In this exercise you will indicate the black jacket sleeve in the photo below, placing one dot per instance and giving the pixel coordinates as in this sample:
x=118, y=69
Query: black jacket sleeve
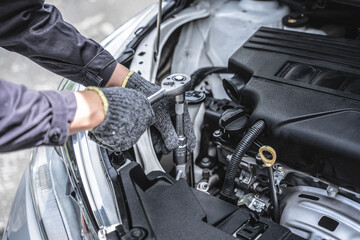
x=30, y=118
x=37, y=31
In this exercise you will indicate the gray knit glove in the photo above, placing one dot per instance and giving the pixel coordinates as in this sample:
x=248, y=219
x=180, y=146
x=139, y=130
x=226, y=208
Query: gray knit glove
x=128, y=116
x=164, y=137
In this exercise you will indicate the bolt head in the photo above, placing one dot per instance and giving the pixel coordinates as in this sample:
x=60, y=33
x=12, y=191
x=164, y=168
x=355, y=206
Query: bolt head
x=205, y=186
x=217, y=133
x=136, y=233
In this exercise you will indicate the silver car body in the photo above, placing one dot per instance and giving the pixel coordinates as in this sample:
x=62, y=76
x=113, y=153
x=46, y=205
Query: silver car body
x=64, y=186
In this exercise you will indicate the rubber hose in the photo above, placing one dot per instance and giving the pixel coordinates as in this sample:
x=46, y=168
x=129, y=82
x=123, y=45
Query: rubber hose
x=200, y=74
x=227, y=192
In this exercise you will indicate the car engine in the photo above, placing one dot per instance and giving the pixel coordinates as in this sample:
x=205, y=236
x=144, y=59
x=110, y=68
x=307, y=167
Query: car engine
x=291, y=91
x=275, y=103
x=308, y=102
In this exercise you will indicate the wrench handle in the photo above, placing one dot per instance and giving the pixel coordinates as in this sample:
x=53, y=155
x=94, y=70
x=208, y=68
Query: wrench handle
x=156, y=96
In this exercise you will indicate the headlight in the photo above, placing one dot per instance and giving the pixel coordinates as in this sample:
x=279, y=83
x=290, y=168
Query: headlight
x=91, y=184
x=57, y=213
x=71, y=194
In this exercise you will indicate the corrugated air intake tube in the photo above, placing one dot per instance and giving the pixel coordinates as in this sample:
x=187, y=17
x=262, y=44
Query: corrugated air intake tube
x=227, y=192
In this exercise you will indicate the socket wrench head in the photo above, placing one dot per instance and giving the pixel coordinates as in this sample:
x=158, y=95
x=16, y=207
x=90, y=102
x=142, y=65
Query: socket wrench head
x=173, y=85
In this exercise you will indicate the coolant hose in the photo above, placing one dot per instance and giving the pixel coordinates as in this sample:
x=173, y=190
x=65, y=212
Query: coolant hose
x=227, y=192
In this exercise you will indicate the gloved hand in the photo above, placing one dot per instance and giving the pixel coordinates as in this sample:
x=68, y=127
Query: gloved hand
x=165, y=138
x=128, y=115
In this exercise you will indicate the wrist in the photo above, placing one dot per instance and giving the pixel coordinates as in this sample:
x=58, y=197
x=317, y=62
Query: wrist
x=137, y=82
x=90, y=111
x=118, y=76
x=127, y=78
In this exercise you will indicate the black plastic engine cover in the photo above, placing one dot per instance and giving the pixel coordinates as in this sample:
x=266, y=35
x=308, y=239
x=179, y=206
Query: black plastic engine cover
x=307, y=89
x=167, y=209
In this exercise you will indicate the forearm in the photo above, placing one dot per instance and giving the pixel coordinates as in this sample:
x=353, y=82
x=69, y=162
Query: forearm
x=30, y=118
x=37, y=31
x=89, y=113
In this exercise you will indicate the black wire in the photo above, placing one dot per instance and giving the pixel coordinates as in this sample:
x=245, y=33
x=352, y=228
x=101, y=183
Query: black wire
x=200, y=74
x=273, y=195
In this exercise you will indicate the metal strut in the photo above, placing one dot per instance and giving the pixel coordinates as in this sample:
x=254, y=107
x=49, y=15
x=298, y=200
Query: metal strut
x=158, y=23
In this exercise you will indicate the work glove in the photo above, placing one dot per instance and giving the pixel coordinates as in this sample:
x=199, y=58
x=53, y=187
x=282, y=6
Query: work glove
x=164, y=137
x=128, y=115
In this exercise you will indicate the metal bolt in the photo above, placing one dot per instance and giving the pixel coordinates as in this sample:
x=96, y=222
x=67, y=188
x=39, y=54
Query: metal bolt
x=203, y=186
x=280, y=169
x=332, y=191
x=217, y=133
x=136, y=233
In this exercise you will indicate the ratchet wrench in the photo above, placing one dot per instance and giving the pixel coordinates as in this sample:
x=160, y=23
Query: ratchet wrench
x=173, y=85
x=176, y=85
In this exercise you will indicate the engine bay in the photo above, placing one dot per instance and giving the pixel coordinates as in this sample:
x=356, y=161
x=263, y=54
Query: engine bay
x=276, y=108
x=307, y=100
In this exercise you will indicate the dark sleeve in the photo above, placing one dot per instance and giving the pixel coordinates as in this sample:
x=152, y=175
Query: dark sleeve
x=37, y=31
x=30, y=118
